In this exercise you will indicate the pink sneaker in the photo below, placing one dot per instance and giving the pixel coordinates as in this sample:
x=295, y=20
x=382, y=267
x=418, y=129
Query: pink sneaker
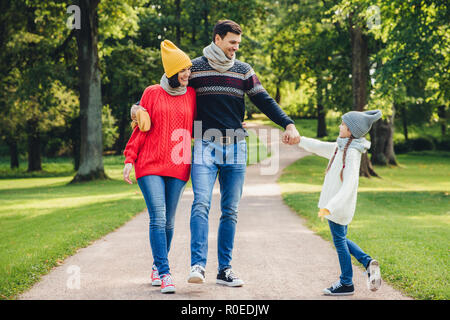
x=167, y=285
x=156, y=281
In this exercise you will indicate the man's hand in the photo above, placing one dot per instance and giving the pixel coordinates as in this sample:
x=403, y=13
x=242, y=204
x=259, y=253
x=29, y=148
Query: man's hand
x=291, y=135
x=134, y=109
x=140, y=118
x=126, y=172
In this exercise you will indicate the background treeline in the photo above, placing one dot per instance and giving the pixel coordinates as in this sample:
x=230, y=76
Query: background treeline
x=316, y=58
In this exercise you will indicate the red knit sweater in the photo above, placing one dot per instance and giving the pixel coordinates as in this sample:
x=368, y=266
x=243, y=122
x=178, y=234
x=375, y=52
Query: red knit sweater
x=164, y=150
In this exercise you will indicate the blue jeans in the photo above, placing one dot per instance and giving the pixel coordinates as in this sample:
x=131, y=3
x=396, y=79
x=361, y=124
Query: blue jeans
x=344, y=248
x=161, y=196
x=228, y=162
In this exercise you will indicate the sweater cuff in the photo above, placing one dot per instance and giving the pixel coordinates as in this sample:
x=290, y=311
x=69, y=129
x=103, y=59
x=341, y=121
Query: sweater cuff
x=129, y=160
x=306, y=143
x=288, y=122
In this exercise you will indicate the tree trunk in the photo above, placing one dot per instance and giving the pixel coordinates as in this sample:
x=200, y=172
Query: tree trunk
x=278, y=94
x=404, y=121
x=321, y=123
x=91, y=146
x=360, y=82
x=75, y=137
x=359, y=68
x=13, y=153
x=382, y=141
x=194, y=32
x=207, y=32
x=121, y=140
x=178, y=22
x=34, y=146
x=366, y=168
x=443, y=119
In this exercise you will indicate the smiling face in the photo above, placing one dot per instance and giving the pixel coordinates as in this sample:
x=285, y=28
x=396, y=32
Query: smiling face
x=344, y=131
x=183, y=76
x=229, y=44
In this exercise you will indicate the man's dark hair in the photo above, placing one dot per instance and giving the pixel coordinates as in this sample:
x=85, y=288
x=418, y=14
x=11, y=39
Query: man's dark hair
x=222, y=27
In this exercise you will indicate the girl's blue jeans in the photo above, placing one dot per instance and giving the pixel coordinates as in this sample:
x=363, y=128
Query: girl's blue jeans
x=345, y=248
x=161, y=195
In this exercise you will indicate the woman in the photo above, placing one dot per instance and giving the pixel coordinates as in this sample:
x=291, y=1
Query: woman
x=161, y=155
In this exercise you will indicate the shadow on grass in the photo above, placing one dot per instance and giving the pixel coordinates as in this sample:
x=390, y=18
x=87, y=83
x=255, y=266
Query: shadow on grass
x=23, y=174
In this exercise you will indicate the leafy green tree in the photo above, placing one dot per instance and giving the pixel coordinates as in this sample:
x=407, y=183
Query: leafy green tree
x=129, y=69
x=307, y=47
x=412, y=65
x=32, y=42
x=109, y=128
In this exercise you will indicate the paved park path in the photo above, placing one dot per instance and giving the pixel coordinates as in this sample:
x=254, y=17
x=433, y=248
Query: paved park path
x=276, y=255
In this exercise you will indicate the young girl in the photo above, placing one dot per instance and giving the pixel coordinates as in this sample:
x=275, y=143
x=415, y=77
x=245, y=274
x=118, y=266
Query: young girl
x=338, y=197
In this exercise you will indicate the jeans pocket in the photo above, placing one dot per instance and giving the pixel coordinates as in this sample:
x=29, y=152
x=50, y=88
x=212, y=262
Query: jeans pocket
x=242, y=152
x=203, y=152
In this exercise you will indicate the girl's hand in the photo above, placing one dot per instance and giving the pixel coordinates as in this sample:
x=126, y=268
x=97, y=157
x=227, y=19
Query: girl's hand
x=322, y=213
x=126, y=172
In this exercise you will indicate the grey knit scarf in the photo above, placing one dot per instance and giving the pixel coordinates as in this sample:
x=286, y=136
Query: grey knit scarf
x=164, y=83
x=361, y=144
x=217, y=58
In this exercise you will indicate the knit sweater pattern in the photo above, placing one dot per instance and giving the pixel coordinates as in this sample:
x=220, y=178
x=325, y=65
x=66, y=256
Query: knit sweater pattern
x=164, y=150
x=220, y=96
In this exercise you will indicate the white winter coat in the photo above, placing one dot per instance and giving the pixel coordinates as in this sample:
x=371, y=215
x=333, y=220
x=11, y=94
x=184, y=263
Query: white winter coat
x=337, y=196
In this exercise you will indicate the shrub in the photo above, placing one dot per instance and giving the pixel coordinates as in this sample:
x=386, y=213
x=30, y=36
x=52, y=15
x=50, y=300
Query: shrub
x=418, y=144
x=403, y=147
x=421, y=144
x=443, y=144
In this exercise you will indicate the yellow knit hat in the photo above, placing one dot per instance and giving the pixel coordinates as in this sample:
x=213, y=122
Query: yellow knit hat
x=173, y=59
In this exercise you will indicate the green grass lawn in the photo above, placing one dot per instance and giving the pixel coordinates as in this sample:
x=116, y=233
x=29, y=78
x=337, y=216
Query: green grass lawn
x=402, y=220
x=44, y=219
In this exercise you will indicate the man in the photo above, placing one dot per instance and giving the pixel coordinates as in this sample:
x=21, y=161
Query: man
x=220, y=81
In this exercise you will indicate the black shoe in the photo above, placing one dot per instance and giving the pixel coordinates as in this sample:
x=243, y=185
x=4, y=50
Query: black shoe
x=339, y=289
x=228, y=278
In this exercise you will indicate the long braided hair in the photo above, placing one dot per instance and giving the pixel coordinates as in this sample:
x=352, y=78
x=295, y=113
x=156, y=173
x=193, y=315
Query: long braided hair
x=343, y=157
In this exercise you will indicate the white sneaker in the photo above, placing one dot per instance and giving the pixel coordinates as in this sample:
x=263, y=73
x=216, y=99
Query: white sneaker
x=373, y=275
x=197, y=274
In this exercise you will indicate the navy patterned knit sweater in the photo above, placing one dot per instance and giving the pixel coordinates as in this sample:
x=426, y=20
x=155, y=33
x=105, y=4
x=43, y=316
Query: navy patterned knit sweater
x=220, y=96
